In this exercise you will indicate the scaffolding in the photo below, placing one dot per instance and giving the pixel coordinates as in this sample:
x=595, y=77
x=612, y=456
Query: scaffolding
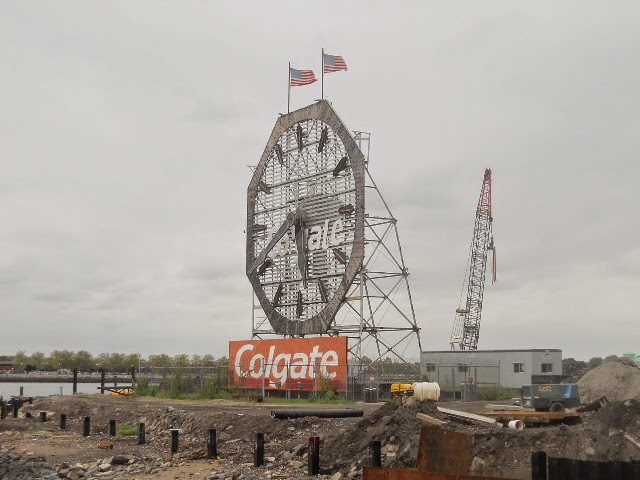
x=377, y=316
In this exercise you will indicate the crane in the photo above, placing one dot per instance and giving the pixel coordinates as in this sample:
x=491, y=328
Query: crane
x=466, y=327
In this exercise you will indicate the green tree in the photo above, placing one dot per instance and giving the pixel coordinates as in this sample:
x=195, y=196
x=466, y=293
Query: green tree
x=84, y=361
x=102, y=361
x=133, y=360
x=161, y=363
x=39, y=361
x=181, y=360
x=20, y=360
x=62, y=359
x=208, y=360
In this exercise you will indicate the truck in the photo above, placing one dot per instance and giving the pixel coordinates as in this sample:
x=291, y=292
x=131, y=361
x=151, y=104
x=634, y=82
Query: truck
x=550, y=397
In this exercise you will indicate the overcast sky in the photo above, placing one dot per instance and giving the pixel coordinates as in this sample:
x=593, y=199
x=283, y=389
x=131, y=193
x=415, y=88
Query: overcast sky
x=126, y=129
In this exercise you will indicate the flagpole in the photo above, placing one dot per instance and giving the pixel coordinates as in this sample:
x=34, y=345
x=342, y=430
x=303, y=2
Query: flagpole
x=322, y=66
x=288, y=87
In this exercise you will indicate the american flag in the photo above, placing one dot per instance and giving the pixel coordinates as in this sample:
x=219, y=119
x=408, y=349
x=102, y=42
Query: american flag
x=301, y=77
x=333, y=63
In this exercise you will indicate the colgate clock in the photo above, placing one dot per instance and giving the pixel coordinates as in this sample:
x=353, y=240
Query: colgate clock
x=305, y=220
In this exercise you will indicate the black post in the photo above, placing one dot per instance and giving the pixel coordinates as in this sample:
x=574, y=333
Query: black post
x=314, y=455
x=63, y=421
x=21, y=391
x=376, y=453
x=141, y=438
x=115, y=380
x=212, y=447
x=75, y=380
x=43, y=416
x=3, y=410
x=112, y=428
x=617, y=470
x=174, y=440
x=30, y=400
x=539, y=466
x=102, y=380
x=258, y=451
x=133, y=375
x=15, y=410
x=86, y=427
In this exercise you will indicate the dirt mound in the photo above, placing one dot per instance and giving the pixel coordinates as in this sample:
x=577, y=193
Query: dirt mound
x=614, y=380
x=395, y=426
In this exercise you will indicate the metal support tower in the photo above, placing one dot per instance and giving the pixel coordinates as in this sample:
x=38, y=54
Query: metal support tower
x=378, y=315
x=466, y=327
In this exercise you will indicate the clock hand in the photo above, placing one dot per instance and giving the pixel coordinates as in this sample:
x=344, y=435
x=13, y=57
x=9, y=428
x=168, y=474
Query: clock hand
x=301, y=243
x=286, y=225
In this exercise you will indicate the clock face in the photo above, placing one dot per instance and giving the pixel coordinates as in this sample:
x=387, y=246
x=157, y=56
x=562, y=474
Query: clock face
x=305, y=220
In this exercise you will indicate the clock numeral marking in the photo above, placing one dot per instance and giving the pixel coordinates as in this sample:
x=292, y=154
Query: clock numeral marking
x=340, y=256
x=264, y=187
x=346, y=209
x=263, y=268
x=323, y=139
x=278, y=295
x=342, y=165
x=323, y=291
x=299, y=305
x=279, y=153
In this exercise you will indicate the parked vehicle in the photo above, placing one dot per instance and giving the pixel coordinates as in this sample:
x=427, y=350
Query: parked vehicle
x=550, y=397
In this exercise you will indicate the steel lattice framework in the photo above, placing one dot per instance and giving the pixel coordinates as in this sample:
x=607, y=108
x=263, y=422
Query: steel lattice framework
x=377, y=315
x=466, y=328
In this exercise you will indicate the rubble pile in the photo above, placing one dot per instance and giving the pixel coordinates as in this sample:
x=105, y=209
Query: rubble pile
x=615, y=380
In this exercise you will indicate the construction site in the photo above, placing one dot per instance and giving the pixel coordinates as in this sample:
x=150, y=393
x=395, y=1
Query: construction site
x=417, y=439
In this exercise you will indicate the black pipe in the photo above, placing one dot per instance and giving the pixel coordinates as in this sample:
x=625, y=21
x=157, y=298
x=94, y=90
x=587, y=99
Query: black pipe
x=75, y=380
x=86, y=427
x=317, y=412
x=141, y=438
x=63, y=421
x=15, y=410
x=3, y=410
x=102, y=379
x=212, y=447
x=43, y=416
x=112, y=428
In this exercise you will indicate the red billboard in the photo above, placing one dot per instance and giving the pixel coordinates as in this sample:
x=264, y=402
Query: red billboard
x=289, y=364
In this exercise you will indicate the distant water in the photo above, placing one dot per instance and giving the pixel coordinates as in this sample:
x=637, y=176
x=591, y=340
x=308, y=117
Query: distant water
x=39, y=389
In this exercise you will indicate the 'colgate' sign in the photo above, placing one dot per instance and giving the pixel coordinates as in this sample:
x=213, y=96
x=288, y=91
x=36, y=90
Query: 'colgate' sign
x=294, y=363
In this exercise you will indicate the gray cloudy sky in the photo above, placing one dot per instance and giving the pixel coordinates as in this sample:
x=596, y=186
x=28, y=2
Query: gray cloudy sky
x=126, y=129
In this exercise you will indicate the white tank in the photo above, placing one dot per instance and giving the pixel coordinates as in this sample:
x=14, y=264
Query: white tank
x=426, y=391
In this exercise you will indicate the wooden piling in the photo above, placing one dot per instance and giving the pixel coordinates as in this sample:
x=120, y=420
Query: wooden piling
x=258, y=451
x=212, y=447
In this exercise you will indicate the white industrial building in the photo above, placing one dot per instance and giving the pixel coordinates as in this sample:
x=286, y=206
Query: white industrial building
x=507, y=368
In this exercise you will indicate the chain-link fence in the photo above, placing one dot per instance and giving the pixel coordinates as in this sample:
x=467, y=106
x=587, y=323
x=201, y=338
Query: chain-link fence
x=464, y=381
x=351, y=381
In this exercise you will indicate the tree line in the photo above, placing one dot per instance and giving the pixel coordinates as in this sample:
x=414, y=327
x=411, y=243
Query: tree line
x=84, y=361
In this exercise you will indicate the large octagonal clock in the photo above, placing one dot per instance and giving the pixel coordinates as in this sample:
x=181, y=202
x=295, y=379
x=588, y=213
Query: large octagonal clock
x=305, y=220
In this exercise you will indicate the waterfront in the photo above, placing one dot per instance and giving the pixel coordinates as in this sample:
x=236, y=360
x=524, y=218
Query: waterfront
x=42, y=389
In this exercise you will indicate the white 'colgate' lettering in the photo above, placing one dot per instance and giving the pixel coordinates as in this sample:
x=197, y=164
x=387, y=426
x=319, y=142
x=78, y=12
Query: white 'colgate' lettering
x=277, y=367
